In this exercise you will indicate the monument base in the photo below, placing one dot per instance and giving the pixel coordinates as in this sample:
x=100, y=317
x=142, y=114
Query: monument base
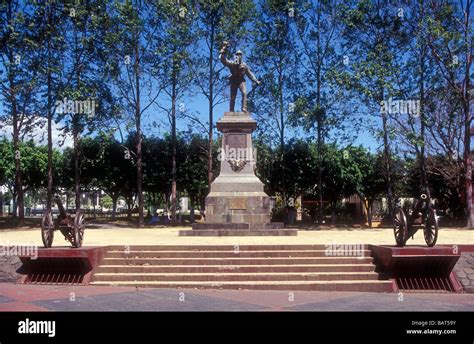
x=238, y=226
x=239, y=229
x=240, y=232
x=237, y=204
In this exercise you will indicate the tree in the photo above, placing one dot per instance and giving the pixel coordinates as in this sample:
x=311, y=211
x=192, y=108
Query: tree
x=174, y=73
x=299, y=167
x=131, y=45
x=450, y=34
x=18, y=83
x=34, y=165
x=158, y=166
x=106, y=202
x=275, y=60
x=338, y=177
x=56, y=71
x=370, y=177
x=320, y=107
x=193, y=170
x=118, y=170
x=373, y=36
x=86, y=93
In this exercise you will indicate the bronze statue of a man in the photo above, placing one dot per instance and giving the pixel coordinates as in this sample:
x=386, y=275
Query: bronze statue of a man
x=238, y=70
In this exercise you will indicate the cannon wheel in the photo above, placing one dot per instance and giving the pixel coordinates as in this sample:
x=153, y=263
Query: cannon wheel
x=400, y=227
x=47, y=228
x=78, y=229
x=431, y=228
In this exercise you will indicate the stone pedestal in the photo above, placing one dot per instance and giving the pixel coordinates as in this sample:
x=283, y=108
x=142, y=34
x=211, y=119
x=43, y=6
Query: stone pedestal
x=237, y=204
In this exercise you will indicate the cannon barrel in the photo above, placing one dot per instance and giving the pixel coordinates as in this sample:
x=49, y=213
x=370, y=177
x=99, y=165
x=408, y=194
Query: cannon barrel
x=62, y=211
x=420, y=204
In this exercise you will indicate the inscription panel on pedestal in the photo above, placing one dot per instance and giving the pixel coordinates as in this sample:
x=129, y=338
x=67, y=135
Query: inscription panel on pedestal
x=236, y=140
x=237, y=203
x=236, y=146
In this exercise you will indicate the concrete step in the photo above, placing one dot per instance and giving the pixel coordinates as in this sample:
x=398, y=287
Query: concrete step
x=229, y=248
x=235, y=261
x=234, y=268
x=226, y=254
x=270, y=267
x=224, y=277
x=237, y=232
x=349, y=285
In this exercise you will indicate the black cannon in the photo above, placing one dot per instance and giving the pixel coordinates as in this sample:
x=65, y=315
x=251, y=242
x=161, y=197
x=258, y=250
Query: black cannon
x=421, y=215
x=71, y=226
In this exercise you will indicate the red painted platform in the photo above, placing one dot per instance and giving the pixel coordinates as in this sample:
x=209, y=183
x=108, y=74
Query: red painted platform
x=418, y=267
x=61, y=265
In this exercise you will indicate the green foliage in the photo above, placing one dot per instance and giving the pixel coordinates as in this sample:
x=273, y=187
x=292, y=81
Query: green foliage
x=293, y=175
x=34, y=161
x=106, y=202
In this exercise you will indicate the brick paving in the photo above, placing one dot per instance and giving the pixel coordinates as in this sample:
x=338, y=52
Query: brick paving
x=464, y=270
x=15, y=297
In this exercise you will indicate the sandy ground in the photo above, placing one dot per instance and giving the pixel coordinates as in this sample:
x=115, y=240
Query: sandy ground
x=169, y=236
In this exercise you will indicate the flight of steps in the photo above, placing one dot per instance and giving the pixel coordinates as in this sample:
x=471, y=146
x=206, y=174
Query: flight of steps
x=270, y=267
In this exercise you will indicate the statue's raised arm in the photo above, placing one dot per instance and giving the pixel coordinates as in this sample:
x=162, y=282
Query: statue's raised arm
x=222, y=57
x=238, y=70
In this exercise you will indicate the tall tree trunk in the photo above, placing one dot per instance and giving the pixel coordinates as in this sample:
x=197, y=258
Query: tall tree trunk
x=282, y=135
x=423, y=52
x=14, y=204
x=173, y=140
x=387, y=158
x=468, y=169
x=19, y=204
x=129, y=200
x=114, y=206
x=94, y=201
x=333, y=213
x=139, y=138
x=77, y=172
x=191, y=209
x=211, y=107
x=76, y=131
x=467, y=118
x=320, y=172
x=319, y=120
x=18, y=174
x=49, y=200
x=369, y=212
x=1, y=201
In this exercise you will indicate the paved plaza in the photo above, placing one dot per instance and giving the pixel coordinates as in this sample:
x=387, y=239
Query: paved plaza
x=14, y=297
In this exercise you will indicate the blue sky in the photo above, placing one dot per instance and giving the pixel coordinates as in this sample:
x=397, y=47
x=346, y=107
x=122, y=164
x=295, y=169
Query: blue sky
x=197, y=104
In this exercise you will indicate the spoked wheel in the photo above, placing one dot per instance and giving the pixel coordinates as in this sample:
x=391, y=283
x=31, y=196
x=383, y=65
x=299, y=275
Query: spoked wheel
x=47, y=228
x=431, y=227
x=400, y=227
x=79, y=225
